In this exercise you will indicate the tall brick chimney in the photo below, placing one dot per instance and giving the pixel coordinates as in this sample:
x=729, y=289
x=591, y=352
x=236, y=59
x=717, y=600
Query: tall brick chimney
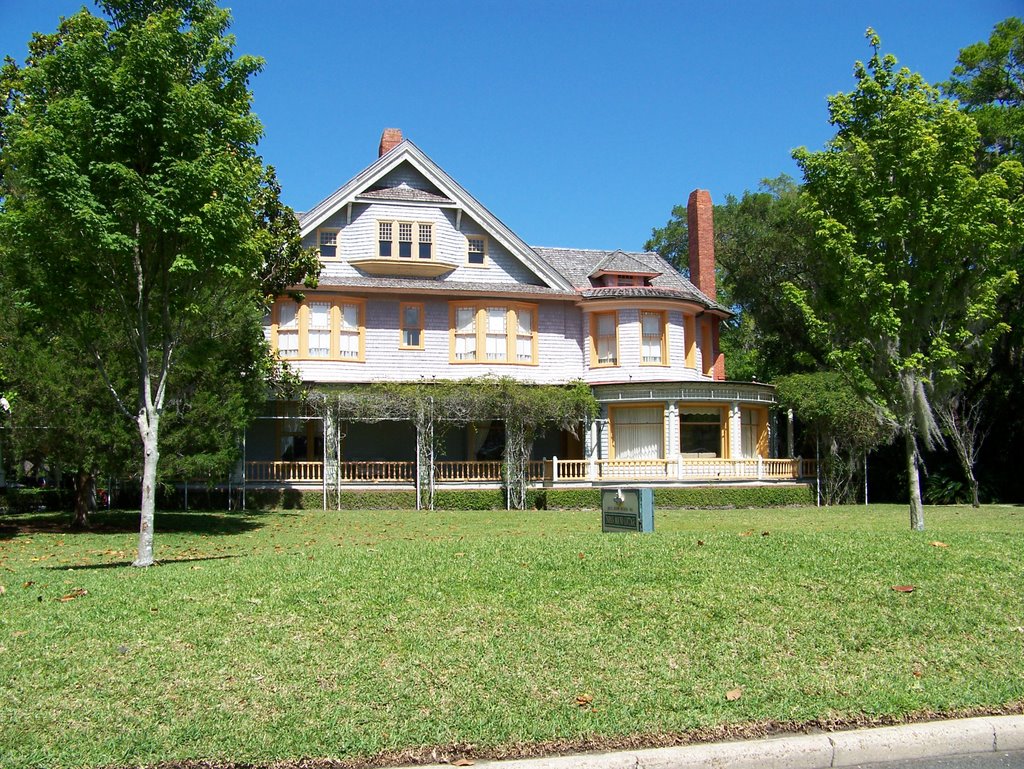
x=701, y=227
x=390, y=139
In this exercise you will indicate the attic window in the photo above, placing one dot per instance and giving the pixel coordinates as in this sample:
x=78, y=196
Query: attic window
x=476, y=250
x=405, y=239
x=621, y=279
x=384, y=239
x=426, y=232
x=328, y=244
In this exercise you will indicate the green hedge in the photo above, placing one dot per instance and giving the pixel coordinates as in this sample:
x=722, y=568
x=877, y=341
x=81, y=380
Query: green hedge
x=543, y=499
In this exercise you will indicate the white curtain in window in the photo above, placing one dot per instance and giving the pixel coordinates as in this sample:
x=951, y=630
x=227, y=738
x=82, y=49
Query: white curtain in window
x=651, y=338
x=606, y=351
x=524, y=335
x=638, y=433
x=465, y=333
x=287, y=328
x=497, y=337
x=349, y=336
x=320, y=329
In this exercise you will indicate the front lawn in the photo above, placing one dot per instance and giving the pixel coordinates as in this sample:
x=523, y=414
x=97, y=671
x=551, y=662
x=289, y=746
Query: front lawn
x=280, y=635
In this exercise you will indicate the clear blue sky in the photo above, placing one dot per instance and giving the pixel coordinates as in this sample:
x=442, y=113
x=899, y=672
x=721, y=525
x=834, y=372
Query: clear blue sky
x=577, y=123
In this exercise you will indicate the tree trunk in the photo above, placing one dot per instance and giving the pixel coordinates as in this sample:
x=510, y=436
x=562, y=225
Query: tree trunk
x=975, y=502
x=149, y=422
x=85, y=498
x=914, y=481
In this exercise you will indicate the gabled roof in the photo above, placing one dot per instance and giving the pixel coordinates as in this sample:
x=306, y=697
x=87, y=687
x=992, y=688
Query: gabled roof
x=619, y=262
x=579, y=264
x=407, y=152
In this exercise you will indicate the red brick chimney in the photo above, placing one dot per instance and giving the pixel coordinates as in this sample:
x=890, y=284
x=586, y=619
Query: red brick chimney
x=390, y=139
x=701, y=228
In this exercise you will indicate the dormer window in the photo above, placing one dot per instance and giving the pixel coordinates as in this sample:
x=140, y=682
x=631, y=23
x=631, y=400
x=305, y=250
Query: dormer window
x=384, y=238
x=405, y=240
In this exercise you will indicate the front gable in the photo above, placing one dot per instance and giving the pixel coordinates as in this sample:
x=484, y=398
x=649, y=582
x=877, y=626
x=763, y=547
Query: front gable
x=404, y=216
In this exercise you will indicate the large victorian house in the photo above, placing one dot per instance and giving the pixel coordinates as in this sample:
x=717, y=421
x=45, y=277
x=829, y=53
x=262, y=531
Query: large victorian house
x=421, y=281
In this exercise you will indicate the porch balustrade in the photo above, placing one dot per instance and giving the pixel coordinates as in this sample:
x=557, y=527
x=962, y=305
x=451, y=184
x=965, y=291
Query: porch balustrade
x=540, y=471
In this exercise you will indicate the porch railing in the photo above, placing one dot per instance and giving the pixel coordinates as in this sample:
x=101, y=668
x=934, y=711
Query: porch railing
x=539, y=471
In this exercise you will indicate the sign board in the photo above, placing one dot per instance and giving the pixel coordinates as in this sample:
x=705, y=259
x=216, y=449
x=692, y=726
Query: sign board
x=627, y=510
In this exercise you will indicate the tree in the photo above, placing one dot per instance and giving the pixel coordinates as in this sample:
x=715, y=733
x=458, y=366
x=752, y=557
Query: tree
x=989, y=82
x=912, y=248
x=839, y=418
x=132, y=191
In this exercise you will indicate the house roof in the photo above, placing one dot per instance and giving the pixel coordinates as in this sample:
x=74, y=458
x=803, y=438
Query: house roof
x=621, y=262
x=407, y=152
x=579, y=264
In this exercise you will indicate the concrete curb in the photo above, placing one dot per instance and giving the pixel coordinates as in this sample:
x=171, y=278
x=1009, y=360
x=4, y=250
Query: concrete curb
x=986, y=734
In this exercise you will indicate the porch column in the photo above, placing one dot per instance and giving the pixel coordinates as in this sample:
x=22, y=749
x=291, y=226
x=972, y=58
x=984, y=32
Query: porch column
x=735, y=431
x=591, y=445
x=789, y=433
x=672, y=438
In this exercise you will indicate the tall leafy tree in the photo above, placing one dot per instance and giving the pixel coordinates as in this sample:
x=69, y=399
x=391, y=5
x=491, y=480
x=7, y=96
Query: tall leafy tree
x=132, y=191
x=913, y=249
x=988, y=79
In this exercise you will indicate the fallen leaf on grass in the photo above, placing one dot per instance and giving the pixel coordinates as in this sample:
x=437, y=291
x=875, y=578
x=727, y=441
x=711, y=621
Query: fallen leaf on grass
x=78, y=592
x=584, y=700
x=30, y=583
x=938, y=544
x=2, y=589
x=700, y=543
x=903, y=588
x=581, y=556
x=746, y=533
x=734, y=694
x=765, y=533
x=19, y=633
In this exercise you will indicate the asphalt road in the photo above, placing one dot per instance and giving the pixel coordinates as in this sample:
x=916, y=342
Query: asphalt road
x=1000, y=760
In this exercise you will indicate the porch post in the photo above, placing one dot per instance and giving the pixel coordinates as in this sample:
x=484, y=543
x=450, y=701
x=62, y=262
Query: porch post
x=323, y=464
x=672, y=438
x=789, y=433
x=243, y=472
x=554, y=469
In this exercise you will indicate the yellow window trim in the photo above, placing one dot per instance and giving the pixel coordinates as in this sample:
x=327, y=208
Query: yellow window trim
x=402, y=328
x=336, y=302
x=664, y=337
x=480, y=323
x=593, y=340
x=707, y=352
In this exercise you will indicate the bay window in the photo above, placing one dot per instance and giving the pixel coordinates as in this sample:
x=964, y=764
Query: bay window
x=489, y=333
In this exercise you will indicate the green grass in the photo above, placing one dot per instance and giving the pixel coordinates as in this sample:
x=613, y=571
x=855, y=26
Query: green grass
x=281, y=635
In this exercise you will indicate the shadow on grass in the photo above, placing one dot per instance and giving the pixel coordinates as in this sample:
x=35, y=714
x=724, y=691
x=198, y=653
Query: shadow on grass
x=127, y=564
x=125, y=521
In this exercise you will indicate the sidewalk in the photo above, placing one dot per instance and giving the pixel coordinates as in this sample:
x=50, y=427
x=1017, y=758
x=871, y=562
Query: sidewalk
x=987, y=734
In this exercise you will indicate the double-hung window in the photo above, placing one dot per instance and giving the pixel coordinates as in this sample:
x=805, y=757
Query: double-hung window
x=652, y=330
x=497, y=333
x=328, y=242
x=405, y=240
x=411, y=317
x=319, y=338
x=349, y=331
x=524, y=335
x=604, y=331
x=384, y=233
x=288, y=329
x=426, y=240
x=476, y=249
x=465, y=334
